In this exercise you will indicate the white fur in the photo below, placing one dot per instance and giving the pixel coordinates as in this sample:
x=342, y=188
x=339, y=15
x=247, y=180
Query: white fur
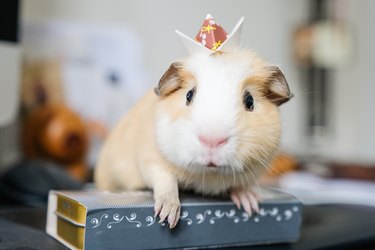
x=214, y=112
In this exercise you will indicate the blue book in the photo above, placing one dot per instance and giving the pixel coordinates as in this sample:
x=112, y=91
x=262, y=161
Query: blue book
x=103, y=220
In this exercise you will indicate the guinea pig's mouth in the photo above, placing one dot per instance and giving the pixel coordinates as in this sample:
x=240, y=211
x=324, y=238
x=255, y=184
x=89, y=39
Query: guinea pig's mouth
x=211, y=165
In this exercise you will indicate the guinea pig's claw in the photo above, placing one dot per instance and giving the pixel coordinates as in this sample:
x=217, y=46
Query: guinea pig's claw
x=234, y=197
x=169, y=210
x=162, y=218
x=157, y=211
x=247, y=199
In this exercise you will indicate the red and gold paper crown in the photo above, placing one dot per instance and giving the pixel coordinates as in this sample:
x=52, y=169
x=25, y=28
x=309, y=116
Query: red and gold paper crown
x=212, y=37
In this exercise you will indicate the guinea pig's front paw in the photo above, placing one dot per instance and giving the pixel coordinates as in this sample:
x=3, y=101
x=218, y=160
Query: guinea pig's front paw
x=168, y=207
x=246, y=198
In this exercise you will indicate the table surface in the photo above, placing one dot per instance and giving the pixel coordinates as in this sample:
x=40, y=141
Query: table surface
x=324, y=226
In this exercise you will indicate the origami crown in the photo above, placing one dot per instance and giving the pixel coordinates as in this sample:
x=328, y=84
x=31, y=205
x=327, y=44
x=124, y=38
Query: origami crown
x=212, y=37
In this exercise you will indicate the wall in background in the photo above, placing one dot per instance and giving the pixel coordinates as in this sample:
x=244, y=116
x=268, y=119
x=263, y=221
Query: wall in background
x=268, y=29
x=354, y=88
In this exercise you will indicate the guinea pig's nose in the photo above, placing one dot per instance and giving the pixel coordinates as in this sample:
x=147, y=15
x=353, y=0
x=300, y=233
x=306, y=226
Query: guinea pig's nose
x=213, y=142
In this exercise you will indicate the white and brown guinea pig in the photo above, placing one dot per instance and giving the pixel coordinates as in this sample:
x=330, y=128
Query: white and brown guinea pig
x=212, y=125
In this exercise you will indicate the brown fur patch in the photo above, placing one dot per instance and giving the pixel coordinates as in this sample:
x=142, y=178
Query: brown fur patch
x=175, y=102
x=271, y=81
x=278, y=91
x=169, y=82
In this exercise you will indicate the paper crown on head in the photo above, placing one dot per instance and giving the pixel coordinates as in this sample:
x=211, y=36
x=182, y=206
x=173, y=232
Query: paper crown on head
x=212, y=37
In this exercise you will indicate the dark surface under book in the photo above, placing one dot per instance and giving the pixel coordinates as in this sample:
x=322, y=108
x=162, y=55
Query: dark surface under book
x=324, y=226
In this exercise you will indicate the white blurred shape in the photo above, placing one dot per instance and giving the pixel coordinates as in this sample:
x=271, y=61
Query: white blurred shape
x=312, y=189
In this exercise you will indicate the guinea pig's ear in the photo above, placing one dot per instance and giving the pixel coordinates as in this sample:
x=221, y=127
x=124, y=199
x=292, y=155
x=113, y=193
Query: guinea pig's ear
x=170, y=81
x=277, y=87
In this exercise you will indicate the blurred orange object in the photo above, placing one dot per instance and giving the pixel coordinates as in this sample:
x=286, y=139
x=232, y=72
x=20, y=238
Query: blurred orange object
x=281, y=164
x=53, y=132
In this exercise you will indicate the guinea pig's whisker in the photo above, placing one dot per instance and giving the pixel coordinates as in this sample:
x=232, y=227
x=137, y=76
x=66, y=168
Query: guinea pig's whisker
x=243, y=173
x=262, y=149
x=248, y=179
x=263, y=162
x=223, y=180
x=254, y=178
x=203, y=178
x=234, y=174
x=305, y=91
x=260, y=161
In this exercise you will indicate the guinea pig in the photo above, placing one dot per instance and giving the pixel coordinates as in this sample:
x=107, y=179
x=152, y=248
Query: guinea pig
x=211, y=125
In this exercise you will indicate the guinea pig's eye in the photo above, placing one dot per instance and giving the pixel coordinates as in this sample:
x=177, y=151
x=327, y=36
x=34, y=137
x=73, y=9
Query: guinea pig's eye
x=189, y=96
x=248, y=101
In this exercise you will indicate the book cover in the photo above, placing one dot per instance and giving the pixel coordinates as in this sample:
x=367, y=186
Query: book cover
x=103, y=220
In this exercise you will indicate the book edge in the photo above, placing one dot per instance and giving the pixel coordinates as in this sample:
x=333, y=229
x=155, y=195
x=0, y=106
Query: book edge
x=290, y=199
x=51, y=225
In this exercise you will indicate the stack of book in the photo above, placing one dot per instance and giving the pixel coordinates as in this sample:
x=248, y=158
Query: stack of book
x=102, y=220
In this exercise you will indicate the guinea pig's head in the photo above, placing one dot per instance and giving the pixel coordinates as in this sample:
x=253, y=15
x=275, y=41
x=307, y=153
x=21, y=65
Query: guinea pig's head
x=219, y=112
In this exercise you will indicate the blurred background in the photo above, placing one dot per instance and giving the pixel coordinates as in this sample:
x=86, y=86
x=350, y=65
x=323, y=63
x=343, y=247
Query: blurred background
x=70, y=69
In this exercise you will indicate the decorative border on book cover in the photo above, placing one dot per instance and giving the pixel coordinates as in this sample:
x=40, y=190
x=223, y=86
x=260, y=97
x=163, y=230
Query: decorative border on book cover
x=209, y=216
